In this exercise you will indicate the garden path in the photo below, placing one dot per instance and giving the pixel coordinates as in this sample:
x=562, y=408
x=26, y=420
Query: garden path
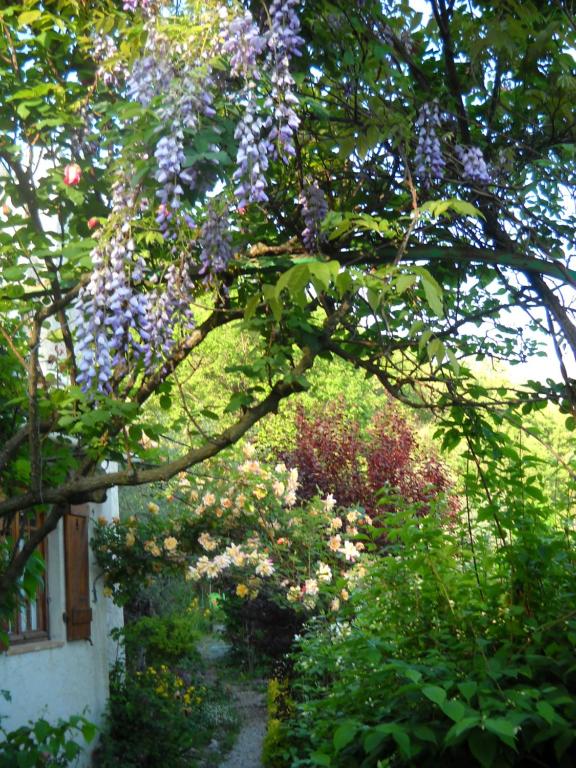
x=251, y=706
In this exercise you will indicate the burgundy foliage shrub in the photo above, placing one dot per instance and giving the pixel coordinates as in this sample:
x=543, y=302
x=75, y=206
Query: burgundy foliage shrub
x=335, y=455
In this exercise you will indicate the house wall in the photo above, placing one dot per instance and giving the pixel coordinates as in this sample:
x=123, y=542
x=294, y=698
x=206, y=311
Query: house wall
x=55, y=678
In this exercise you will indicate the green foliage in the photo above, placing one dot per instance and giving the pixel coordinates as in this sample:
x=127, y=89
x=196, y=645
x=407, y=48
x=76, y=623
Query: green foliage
x=157, y=718
x=275, y=750
x=459, y=649
x=43, y=745
x=154, y=639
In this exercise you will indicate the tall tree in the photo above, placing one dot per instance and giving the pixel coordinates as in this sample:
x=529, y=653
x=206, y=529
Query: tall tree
x=359, y=180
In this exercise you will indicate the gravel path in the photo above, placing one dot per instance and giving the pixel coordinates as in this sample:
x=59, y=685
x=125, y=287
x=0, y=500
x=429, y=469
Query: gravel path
x=247, y=750
x=251, y=706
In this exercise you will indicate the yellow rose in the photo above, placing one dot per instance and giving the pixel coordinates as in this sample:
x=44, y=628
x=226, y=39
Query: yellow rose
x=242, y=590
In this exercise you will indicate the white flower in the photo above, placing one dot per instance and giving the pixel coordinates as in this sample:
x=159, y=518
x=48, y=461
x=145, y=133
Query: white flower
x=352, y=516
x=279, y=469
x=278, y=489
x=193, y=574
x=335, y=604
x=205, y=567
x=324, y=573
x=207, y=542
x=311, y=586
x=294, y=594
x=349, y=551
x=265, y=567
x=336, y=523
x=222, y=562
x=335, y=542
x=208, y=499
x=292, y=483
x=329, y=503
x=249, y=451
x=236, y=555
x=290, y=498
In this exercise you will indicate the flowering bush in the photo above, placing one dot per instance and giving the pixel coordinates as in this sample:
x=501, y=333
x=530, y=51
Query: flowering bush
x=156, y=718
x=243, y=531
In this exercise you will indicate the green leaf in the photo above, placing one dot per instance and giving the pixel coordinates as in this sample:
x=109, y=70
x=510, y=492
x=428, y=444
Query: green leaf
x=435, y=694
x=344, y=734
x=483, y=747
x=502, y=728
x=459, y=728
x=89, y=731
x=454, y=709
x=320, y=758
x=28, y=17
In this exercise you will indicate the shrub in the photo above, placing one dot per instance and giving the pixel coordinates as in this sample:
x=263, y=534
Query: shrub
x=155, y=719
x=153, y=640
x=43, y=745
x=452, y=655
x=335, y=454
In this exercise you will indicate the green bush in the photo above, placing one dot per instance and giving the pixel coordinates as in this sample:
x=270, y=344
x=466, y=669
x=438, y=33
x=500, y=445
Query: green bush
x=42, y=745
x=155, y=719
x=154, y=640
x=453, y=654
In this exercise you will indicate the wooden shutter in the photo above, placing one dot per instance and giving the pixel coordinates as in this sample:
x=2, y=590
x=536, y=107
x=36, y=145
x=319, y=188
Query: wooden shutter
x=78, y=611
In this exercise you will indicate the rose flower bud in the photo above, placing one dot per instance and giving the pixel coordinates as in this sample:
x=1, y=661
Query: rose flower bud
x=72, y=174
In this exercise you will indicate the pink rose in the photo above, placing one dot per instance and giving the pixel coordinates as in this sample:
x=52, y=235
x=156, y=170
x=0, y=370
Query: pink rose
x=72, y=174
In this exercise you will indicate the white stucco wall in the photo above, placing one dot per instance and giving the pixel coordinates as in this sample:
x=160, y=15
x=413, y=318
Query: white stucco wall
x=55, y=678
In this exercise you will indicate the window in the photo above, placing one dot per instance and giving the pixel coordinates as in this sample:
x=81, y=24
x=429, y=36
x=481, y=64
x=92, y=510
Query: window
x=30, y=621
x=70, y=598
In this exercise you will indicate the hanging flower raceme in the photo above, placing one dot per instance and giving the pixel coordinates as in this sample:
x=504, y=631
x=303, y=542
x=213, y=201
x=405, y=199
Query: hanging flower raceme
x=216, y=249
x=314, y=210
x=473, y=164
x=283, y=43
x=428, y=160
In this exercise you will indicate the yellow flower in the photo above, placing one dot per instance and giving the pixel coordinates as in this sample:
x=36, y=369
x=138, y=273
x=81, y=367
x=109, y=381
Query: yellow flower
x=170, y=544
x=107, y=592
x=153, y=508
x=259, y=492
x=102, y=520
x=130, y=539
x=242, y=590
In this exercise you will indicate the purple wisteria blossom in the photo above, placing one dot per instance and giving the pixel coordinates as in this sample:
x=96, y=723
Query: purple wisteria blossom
x=133, y=5
x=428, y=159
x=244, y=43
x=170, y=308
x=112, y=322
x=252, y=158
x=314, y=210
x=473, y=164
x=120, y=322
x=151, y=75
x=216, y=249
x=169, y=154
x=283, y=43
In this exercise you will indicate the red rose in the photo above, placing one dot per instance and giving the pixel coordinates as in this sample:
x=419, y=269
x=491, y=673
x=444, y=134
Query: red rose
x=93, y=222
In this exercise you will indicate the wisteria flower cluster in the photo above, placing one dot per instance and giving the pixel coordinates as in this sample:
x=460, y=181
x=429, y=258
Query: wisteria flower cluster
x=118, y=322
x=215, y=244
x=314, y=210
x=429, y=161
x=283, y=42
x=473, y=164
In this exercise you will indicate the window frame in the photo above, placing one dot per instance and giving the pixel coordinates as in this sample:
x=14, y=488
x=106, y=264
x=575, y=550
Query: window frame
x=17, y=635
